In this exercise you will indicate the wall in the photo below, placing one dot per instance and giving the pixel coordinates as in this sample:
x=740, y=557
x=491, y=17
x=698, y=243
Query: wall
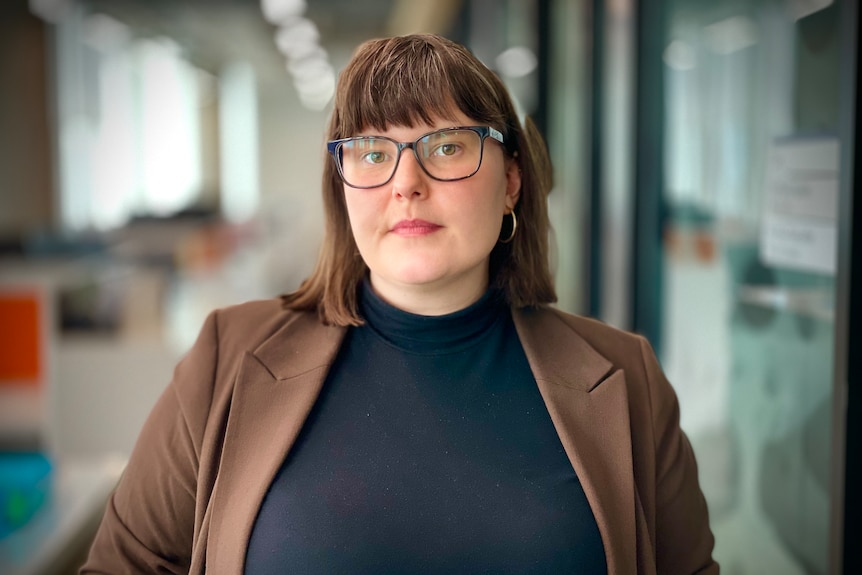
x=25, y=149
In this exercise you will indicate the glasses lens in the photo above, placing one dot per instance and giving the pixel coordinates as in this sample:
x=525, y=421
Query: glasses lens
x=450, y=154
x=367, y=162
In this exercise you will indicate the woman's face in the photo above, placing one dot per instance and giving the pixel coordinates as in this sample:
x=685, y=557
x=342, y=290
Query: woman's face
x=427, y=243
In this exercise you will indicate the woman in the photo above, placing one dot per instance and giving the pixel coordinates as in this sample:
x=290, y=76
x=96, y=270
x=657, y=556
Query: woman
x=416, y=406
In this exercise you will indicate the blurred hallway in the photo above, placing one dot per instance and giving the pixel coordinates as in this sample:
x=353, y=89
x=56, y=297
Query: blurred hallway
x=162, y=158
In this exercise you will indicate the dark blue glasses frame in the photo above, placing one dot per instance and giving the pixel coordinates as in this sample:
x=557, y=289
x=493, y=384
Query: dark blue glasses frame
x=334, y=148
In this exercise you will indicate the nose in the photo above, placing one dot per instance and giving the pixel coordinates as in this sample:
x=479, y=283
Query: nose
x=409, y=180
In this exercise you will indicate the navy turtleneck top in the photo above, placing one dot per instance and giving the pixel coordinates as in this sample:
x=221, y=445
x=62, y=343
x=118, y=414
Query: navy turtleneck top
x=429, y=450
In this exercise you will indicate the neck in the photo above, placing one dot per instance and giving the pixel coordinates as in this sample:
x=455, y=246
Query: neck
x=427, y=299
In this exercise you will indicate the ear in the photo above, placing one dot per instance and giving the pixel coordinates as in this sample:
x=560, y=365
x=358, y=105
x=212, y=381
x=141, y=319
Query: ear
x=513, y=182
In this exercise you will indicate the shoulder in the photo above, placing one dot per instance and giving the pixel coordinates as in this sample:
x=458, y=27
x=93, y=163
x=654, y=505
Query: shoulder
x=570, y=342
x=231, y=333
x=285, y=341
x=581, y=352
x=247, y=325
x=228, y=333
x=253, y=315
x=281, y=340
x=618, y=346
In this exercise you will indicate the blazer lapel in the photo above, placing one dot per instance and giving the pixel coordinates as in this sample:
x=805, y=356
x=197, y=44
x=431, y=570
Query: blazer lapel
x=275, y=390
x=587, y=400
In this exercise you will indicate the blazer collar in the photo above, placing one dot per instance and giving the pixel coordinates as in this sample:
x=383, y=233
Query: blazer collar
x=275, y=389
x=588, y=403
x=301, y=345
x=557, y=353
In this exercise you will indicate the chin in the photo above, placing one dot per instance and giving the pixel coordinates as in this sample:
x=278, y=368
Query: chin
x=417, y=277
x=415, y=273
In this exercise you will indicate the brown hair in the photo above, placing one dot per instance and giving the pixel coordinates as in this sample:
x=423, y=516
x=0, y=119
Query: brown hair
x=408, y=80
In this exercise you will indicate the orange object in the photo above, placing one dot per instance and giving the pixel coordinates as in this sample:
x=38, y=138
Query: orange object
x=20, y=361
x=704, y=246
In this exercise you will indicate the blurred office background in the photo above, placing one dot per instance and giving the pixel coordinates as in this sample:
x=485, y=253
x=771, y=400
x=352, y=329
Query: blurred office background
x=160, y=158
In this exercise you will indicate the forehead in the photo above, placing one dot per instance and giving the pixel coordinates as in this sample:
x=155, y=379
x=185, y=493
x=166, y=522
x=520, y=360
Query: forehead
x=411, y=132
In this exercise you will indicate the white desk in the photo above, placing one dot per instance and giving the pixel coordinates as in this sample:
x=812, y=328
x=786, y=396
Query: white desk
x=58, y=530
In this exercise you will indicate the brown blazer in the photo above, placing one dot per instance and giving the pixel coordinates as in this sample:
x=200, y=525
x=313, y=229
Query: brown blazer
x=218, y=434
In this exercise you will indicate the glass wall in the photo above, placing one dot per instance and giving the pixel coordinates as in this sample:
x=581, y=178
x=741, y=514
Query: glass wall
x=752, y=141
x=568, y=129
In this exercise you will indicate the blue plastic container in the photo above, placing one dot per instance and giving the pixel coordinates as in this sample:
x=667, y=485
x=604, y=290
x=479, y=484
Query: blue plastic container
x=25, y=485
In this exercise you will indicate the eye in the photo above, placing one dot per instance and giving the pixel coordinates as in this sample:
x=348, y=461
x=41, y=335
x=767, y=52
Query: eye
x=448, y=149
x=374, y=157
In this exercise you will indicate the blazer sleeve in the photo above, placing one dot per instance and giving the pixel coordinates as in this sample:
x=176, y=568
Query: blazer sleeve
x=149, y=522
x=684, y=541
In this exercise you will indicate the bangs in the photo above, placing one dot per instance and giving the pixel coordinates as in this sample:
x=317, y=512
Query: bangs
x=405, y=82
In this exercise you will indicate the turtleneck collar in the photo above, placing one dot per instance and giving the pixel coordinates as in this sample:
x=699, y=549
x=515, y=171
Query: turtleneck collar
x=431, y=334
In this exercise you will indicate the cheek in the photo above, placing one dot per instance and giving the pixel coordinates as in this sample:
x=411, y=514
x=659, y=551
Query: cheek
x=363, y=215
x=354, y=218
x=357, y=211
x=480, y=219
x=489, y=206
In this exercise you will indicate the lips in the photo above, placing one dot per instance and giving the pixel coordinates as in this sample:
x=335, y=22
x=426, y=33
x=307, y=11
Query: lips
x=414, y=228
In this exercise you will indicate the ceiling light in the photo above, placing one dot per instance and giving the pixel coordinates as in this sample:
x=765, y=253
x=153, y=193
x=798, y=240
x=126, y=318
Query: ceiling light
x=315, y=94
x=308, y=67
x=299, y=39
x=516, y=62
x=280, y=11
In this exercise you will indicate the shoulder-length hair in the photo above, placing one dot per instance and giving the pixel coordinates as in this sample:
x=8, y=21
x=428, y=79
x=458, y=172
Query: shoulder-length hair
x=408, y=80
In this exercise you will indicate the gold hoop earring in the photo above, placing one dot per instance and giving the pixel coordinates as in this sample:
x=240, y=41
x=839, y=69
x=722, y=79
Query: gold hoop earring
x=514, y=229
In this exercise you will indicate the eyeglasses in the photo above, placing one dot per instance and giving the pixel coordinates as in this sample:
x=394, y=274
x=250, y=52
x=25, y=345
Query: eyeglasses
x=445, y=155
